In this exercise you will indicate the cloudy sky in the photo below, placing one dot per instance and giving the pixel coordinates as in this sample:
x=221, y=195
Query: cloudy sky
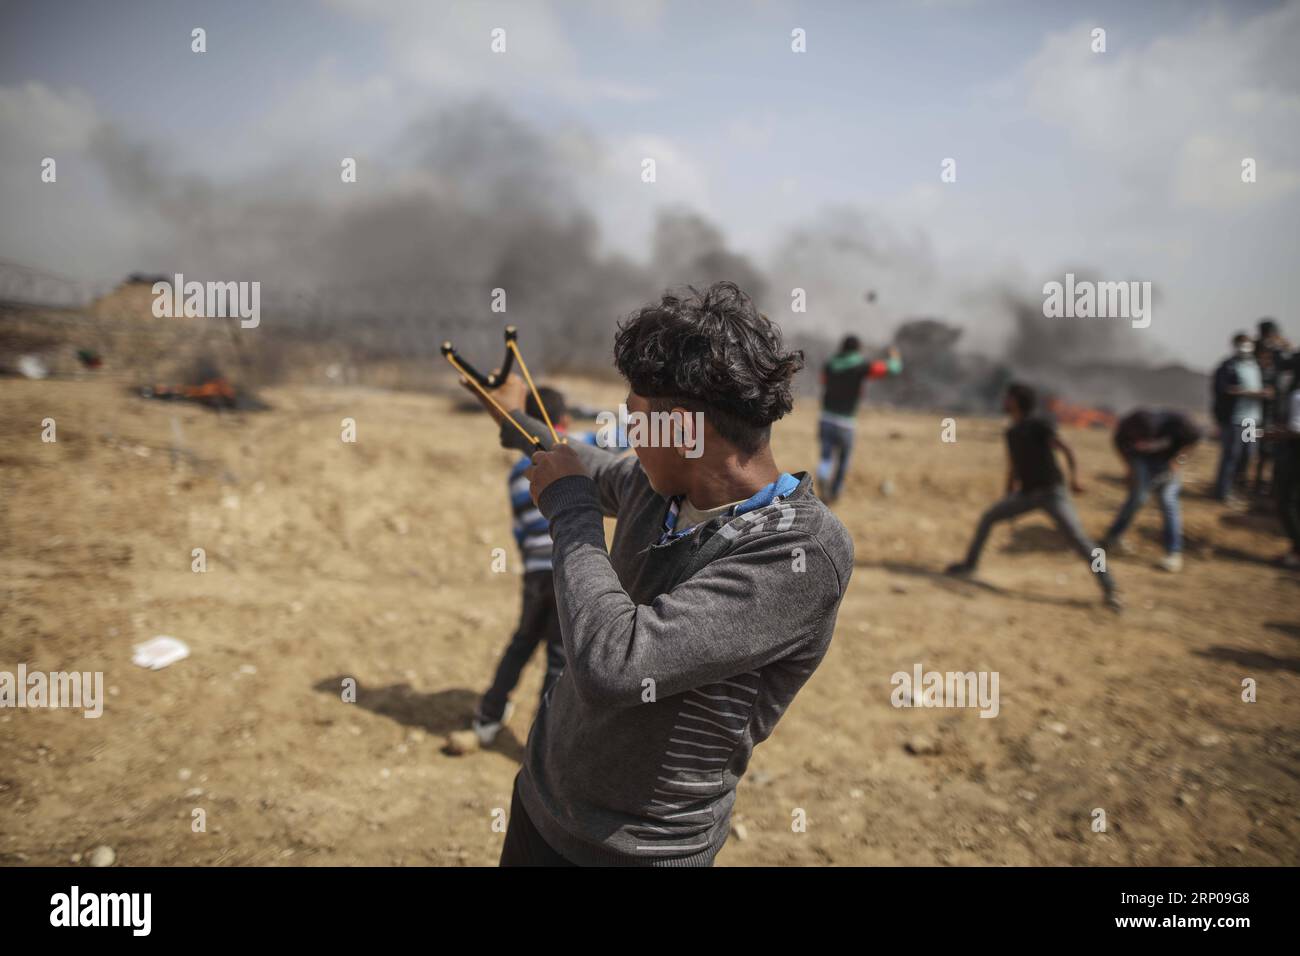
x=1124, y=164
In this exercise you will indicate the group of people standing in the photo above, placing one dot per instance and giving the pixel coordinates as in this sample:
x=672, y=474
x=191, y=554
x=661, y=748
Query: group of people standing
x=1255, y=407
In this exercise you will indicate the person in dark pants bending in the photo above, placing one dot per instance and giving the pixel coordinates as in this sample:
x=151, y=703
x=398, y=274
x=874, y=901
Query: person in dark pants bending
x=1152, y=445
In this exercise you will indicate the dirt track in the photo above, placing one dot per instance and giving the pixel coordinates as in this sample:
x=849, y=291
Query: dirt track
x=373, y=561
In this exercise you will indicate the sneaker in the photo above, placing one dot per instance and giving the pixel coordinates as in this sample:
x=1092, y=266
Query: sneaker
x=1173, y=563
x=1114, y=601
x=959, y=570
x=487, y=730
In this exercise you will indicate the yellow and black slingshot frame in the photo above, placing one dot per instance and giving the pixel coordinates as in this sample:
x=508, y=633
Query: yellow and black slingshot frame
x=485, y=385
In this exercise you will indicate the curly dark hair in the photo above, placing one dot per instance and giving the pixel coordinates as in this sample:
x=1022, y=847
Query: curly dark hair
x=1024, y=396
x=711, y=352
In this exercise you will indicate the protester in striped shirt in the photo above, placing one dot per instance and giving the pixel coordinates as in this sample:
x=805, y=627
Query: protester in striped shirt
x=538, y=620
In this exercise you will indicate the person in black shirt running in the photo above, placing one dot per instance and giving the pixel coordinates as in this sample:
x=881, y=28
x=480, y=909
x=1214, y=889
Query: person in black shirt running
x=1035, y=483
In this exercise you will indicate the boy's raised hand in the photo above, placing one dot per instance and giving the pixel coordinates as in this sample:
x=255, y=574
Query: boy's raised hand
x=550, y=466
x=512, y=394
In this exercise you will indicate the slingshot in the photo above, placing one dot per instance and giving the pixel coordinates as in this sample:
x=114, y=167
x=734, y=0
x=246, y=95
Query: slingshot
x=485, y=385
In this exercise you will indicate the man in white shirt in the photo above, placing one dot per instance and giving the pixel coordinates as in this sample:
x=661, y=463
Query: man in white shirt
x=1239, y=395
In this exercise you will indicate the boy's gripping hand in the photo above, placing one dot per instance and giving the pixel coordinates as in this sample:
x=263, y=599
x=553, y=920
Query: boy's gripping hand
x=512, y=394
x=550, y=466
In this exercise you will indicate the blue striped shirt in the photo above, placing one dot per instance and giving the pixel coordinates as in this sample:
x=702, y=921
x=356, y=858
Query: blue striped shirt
x=532, y=533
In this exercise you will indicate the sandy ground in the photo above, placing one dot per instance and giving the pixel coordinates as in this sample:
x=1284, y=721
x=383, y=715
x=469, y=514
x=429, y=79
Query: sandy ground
x=373, y=561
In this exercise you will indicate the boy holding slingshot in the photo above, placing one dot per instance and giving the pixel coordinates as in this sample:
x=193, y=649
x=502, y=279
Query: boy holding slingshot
x=688, y=638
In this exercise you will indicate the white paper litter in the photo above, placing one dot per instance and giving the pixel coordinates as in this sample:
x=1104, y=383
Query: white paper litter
x=31, y=366
x=157, y=652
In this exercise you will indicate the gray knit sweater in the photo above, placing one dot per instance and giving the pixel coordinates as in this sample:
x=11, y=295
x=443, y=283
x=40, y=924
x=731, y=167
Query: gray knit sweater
x=682, y=657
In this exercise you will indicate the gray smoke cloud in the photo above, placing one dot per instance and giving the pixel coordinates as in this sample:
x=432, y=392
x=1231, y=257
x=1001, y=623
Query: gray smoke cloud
x=477, y=201
x=472, y=199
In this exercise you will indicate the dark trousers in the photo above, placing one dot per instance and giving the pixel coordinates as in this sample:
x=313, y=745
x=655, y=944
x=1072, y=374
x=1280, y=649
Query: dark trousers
x=1234, y=454
x=524, y=846
x=539, y=620
x=1151, y=476
x=836, y=447
x=1056, y=502
x=1265, y=455
x=1287, y=484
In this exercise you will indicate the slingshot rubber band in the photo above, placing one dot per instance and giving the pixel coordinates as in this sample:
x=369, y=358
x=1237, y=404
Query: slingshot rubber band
x=523, y=367
x=495, y=404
